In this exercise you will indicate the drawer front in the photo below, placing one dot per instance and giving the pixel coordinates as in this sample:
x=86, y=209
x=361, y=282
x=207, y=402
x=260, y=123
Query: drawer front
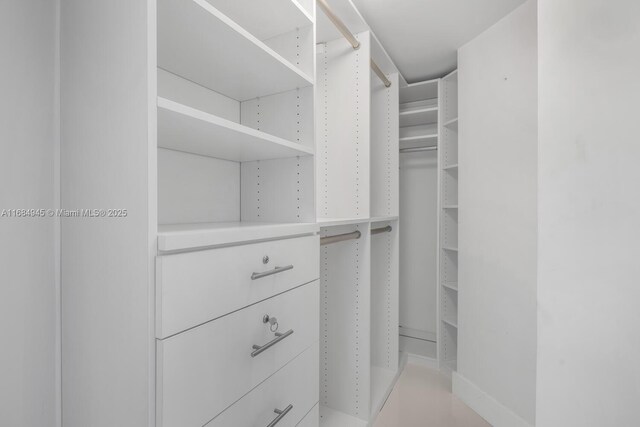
x=296, y=384
x=205, y=369
x=193, y=288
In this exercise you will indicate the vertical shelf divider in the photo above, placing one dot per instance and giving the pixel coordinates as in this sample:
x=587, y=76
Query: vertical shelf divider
x=448, y=225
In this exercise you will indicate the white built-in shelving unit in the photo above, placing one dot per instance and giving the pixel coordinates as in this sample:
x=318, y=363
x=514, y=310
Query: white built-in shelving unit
x=209, y=142
x=236, y=146
x=419, y=111
x=357, y=190
x=448, y=225
x=419, y=118
x=235, y=116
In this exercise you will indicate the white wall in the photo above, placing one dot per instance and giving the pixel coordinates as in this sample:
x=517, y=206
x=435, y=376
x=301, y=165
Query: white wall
x=497, y=230
x=27, y=246
x=108, y=161
x=589, y=214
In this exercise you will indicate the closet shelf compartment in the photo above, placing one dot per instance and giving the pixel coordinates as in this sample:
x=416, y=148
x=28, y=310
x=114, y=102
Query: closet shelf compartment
x=451, y=167
x=183, y=237
x=419, y=91
x=450, y=207
x=450, y=249
x=198, y=42
x=193, y=131
x=418, y=116
x=452, y=124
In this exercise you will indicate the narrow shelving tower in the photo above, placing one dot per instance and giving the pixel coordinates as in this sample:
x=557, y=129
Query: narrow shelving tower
x=357, y=191
x=419, y=114
x=448, y=224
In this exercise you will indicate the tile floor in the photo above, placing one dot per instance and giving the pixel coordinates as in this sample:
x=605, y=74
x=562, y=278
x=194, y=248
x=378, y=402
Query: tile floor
x=422, y=398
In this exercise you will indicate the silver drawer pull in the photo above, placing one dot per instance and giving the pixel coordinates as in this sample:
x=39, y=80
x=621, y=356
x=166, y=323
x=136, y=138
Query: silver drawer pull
x=276, y=270
x=281, y=415
x=257, y=349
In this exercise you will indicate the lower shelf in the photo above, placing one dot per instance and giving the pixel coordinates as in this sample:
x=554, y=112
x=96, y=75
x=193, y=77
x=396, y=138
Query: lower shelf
x=332, y=418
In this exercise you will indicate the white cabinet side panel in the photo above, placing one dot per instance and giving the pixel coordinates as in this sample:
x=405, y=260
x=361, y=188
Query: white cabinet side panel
x=343, y=93
x=345, y=323
x=384, y=297
x=108, y=161
x=384, y=147
x=193, y=188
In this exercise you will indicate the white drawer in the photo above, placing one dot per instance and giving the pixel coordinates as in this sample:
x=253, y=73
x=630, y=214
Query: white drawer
x=296, y=384
x=193, y=288
x=202, y=371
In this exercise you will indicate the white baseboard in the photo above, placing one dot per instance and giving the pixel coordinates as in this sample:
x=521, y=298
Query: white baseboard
x=427, y=362
x=486, y=406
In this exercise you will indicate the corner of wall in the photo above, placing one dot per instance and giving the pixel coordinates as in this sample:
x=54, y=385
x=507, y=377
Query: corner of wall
x=485, y=405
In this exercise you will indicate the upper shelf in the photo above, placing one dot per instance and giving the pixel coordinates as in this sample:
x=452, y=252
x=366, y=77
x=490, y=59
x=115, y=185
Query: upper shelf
x=418, y=116
x=265, y=19
x=413, y=133
x=193, y=131
x=419, y=141
x=200, y=43
x=419, y=91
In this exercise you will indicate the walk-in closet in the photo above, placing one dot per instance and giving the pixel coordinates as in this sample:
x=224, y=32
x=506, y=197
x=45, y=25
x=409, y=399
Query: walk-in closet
x=319, y=213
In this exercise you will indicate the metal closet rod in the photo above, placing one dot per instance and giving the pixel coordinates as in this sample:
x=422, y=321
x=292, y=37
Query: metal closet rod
x=350, y=38
x=339, y=238
x=386, y=229
x=417, y=149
